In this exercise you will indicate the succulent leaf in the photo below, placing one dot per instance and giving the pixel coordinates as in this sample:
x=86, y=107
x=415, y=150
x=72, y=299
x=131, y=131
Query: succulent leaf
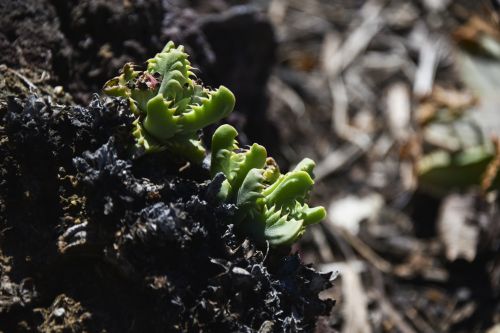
x=192, y=149
x=295, y=185
x=216, y=106
x=223, y=143
x=312, y=215
x=255, y=157
x=250, y=189
x=272, y=215
x=306, y=165
x=160, y=121
x=284, y=232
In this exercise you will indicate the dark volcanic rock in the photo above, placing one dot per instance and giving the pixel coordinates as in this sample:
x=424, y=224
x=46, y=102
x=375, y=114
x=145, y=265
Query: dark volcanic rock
x=91, y=243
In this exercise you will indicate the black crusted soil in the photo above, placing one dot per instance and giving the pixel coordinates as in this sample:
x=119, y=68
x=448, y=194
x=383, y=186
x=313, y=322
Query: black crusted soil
x=95, y=240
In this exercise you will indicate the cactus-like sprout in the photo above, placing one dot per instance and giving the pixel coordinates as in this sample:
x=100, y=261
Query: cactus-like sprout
x=170, y=104
x=272, y=204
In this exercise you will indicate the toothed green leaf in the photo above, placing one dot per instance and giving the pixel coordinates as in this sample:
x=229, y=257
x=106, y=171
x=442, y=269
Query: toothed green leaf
x=140, y=99
x=225, y=189
x=255, y=157
x=250, y=190
x=284, y=232
x=312, y=215
x=293, y=186
x=191, y=149
x=213, y=108
x=160, y=121
x=306, y=165
x=172, y=64
x=223, y=143
x=272, y=215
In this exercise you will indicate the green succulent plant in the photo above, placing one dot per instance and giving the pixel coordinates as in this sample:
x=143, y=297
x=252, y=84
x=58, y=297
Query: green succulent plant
x=272, y=205
x=170, y=104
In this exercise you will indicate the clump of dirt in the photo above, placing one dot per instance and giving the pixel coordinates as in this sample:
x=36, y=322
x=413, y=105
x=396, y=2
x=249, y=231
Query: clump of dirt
x=30, y=36
x=97, y=238
x=80, y=44
x=104, y=35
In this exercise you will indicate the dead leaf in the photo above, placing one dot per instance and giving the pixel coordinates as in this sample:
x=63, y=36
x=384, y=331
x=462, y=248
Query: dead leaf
x=350, y=211
x=459, y=236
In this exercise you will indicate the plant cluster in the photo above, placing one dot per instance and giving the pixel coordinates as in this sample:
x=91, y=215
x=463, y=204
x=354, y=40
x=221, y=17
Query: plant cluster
x=171, y=107
x=271, y=204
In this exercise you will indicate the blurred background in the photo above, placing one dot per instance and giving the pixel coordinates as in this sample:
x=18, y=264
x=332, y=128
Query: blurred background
x=398, y=102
